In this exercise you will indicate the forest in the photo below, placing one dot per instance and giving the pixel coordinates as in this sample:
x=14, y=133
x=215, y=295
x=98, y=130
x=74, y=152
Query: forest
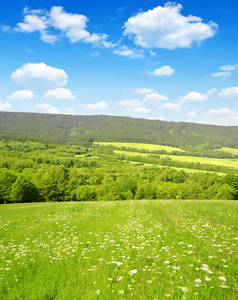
x=64, y=129
x=34, y=171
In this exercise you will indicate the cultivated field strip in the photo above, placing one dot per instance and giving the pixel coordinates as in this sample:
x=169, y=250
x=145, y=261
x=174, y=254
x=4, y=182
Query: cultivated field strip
x=231, y=163
x=119, y=250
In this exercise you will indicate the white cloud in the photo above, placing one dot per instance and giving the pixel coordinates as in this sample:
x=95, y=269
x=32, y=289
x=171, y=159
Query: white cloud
x=152, y=53
x=22, y=95
x=48, y=108
x=38, y=74
x=129, y=103
x=172, y=106
x=224, y=75
x=6, y=28
x=165, y=27
x=142, y=110
x=130, y=53
x=59, y=93
x=154, y=98
x=144, y=91
x=194, y=97
x=32, y=23
x=163, y=71
x=211, y=91
x=191, y=114
x=5, y=105
x=229, y=68
x=69, y=111
x=72, y=26
x=225, y=71
x=222, y=116
x=230, y=92
x=159, y=118
x=96, y=106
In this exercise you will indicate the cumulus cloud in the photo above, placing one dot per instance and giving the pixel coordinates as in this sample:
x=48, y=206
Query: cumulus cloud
x=222, y=116
x=59, y=93
x=144, y=91
x=38, y=74
x=165, y=27
x=22, y=95
x=56, y=23
x=193, y=97
x=130, y=53
x=154, y=98
x=4, y=106
x=163, y=71
x=96, y=106
x=48, y=108
x=191, y=114
x=230, y=92
x=129, y=103
x=172, y=106
x=142, y=110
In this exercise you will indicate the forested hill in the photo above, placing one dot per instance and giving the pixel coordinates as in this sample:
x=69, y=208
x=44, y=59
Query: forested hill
x=66, y=128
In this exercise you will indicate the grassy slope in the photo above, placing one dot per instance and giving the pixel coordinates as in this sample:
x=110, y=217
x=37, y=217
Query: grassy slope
x=202, y=160
x=88, y=250
x=141, y=146
x=229, y=150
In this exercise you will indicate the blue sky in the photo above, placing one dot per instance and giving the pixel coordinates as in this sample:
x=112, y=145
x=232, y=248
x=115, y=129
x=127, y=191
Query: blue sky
x=174, y=61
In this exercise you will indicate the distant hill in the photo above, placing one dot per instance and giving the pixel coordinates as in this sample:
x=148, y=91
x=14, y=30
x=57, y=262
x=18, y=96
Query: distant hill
x=67, y=128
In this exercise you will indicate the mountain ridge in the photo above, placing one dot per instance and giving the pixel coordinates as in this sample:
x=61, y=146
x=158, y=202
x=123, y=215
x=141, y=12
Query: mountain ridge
x=75, y=128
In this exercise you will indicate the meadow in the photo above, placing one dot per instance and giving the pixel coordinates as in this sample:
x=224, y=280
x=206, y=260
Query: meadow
x=147, y=249
x=231, y=163
x=140, y=146
x=229, y=150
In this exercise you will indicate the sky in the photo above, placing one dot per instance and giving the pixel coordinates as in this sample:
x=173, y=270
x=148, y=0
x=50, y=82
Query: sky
x=150, y=59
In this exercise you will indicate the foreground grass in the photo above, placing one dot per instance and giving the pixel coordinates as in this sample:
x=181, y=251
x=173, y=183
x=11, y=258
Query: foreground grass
x=119, y=250
x=141, y=146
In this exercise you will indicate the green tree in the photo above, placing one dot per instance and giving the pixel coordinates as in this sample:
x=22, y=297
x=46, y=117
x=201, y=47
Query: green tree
x=23, y=190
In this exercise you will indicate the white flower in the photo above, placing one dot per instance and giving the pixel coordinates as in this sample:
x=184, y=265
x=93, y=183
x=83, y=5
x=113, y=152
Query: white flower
x=133, y=272
x=97, y=292
x=198, y=280
x=119, y=278
x=207, y=270
x=184, y=289
x=224, y=286
x=222, y=278
x=207, y=279
x=166, y=262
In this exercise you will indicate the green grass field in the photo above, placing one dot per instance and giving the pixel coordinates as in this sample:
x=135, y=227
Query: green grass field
x=230, y=150
x=203, y=160
x=176, y=168
x=139, y=146
x=119, y=250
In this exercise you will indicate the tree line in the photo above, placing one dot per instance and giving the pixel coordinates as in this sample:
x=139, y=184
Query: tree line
x=34, y=171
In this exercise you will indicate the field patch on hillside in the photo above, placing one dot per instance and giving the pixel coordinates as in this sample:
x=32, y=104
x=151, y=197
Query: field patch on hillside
x=119, y=250
x=139, y=146
x=231, y=163
x=229, y=150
